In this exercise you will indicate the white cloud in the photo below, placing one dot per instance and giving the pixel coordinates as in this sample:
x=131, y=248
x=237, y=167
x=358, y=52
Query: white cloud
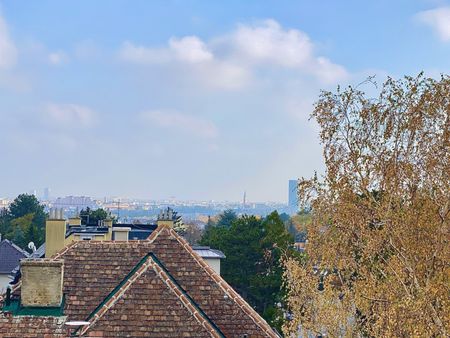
x=143, y=55
x=8, y=51
x=327, y=71
x=192, y=55
x=190, y=49
x=268, y=42
x=57, y=58
x=181, y=122
x=439, y=20
x=229, y=61
x=69, y=115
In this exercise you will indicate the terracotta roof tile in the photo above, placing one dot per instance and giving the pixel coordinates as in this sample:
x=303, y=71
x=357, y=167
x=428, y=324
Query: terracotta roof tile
x=30, y=327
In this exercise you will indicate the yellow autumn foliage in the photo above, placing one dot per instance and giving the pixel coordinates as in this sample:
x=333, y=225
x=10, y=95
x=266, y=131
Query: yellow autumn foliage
x=378, y=250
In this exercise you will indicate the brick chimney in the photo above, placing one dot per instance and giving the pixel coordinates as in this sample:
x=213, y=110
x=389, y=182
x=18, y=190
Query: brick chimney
x=55, y=232
x=42, y=282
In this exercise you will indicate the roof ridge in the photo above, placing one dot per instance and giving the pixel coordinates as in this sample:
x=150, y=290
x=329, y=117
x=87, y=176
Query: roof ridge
x=257, y=319
x=208, y=324
x=15, y=246
x=151, y=261
x=64, y=250
x=117, y=292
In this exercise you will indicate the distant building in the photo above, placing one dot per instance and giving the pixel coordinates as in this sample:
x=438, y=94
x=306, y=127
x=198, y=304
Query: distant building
x=46, y=195
x=72, y=202
x=4, y=203
x=292, y=194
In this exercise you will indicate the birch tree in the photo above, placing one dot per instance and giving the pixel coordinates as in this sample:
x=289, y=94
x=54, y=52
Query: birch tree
x=378, y=248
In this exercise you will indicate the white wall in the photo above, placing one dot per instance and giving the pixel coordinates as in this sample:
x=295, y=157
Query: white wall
x=4, y=282
x=214, y=263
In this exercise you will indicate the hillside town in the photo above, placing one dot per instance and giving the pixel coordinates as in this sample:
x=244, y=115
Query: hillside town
x=238, y=169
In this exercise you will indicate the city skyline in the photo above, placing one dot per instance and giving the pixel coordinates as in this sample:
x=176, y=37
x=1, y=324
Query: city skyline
x=46, y=194
x=190, y=98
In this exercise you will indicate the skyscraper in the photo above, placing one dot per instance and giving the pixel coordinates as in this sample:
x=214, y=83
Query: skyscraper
x=46, y=195
x=292, y=194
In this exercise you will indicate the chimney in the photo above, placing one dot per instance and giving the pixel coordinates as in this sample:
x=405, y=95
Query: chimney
x=165, y=217
x=42, y=282
x=108, y=222
x=121, y=233
x=75, y=220
x=55, y=232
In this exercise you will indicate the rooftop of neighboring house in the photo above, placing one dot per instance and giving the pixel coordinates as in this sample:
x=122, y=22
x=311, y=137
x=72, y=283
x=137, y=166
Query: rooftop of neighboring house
x=207, y=252
x=159, y=287
x=202, y=251
x=10, y=256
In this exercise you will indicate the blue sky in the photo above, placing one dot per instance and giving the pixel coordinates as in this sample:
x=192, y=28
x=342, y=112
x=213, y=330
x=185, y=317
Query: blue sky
x=193, y=99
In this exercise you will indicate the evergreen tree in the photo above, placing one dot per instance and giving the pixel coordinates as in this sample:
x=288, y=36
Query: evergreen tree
x=227, y=218
x=254, y=248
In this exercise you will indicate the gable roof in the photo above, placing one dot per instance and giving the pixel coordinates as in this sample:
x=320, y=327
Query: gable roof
x=161, y=290
x=10, y=256
x=157, y=287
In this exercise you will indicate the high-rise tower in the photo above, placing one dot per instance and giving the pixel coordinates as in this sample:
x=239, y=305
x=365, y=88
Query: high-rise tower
x=292, y=194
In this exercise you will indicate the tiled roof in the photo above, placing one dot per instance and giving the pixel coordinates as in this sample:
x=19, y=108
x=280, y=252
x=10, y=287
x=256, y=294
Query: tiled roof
x=10, y=255
x=155, y=288
x=31, y=327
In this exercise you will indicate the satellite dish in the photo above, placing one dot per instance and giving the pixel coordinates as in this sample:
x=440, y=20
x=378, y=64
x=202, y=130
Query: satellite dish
x=32, y=247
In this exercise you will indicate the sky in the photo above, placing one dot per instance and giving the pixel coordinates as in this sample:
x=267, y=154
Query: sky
x=198, y=100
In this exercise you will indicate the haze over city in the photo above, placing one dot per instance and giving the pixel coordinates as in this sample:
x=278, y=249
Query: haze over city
x=187, y=98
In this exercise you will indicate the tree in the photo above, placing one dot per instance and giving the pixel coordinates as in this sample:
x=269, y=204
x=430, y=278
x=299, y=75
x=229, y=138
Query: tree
x=254, y=249
x=214, y=232
x=89, y=216
x=193, y=233
x=378, y=241
x=227, y=218
x=24, y=221
x=276, y=244
x=25, y=204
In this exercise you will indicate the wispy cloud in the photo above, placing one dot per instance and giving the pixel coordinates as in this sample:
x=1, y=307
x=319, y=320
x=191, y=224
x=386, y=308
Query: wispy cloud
x=8, y=50
x=229, y=61
x=57, y=58
x=189, y=49
x=69, y=115
x=185, y=123
x=439, y=20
